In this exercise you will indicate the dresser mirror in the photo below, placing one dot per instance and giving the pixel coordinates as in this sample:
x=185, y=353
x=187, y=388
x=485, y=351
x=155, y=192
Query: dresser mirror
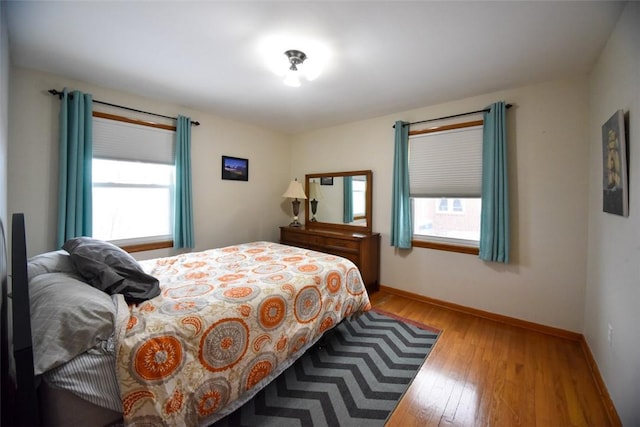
x=339, y=200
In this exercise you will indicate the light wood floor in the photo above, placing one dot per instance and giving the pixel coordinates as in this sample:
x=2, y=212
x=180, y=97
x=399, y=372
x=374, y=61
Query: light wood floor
x=485, y=373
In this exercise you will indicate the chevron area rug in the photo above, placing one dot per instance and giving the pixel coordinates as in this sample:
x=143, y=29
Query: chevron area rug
x=354, y=376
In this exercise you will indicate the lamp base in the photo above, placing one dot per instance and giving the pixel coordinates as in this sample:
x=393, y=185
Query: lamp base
x=314, y=208
x=296, y=209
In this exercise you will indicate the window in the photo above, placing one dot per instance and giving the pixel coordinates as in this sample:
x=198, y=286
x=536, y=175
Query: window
x=445, y=174
x=133, y=182
x=359, y=197
x=450, y=205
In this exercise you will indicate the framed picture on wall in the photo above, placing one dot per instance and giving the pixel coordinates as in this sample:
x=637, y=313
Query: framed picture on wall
x=235, y=168
x=326, y=180
x=614, y=153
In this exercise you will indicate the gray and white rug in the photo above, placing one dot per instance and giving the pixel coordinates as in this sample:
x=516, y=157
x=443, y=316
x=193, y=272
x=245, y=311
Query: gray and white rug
x=354, y=376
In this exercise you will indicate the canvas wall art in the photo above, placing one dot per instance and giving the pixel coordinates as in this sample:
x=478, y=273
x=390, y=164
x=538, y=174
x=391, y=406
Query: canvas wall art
x=614, y=152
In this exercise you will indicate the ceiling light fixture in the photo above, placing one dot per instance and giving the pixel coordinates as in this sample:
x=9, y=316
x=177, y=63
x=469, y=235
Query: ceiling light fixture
x=295, y=58
x=310, y=57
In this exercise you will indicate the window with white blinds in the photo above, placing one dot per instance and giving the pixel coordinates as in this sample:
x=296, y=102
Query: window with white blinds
x=445, y=179
x=133, y=182
x=446, y=164
x=115, y=140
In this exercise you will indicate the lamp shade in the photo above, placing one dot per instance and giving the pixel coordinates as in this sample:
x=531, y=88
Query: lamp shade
x=315, y=192
x=295, y=191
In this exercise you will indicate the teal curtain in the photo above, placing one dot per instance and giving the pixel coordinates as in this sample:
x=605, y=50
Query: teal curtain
x=494, y=217
x=183, y=235
x=75, y=157
x=347, y=200
x=401, y=226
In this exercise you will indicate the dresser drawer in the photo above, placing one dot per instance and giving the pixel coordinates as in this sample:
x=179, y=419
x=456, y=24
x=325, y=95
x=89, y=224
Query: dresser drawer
x=302, y=239
x=342, y=243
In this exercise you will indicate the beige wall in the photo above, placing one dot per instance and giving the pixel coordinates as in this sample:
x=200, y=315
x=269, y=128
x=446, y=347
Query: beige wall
x=4, y=113
x=226, y=212
x=548, y=152
x=4, y=108
x=548, y=130
x=613, y=278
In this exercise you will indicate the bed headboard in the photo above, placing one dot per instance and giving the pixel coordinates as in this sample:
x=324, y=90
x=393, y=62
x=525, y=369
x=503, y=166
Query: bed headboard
x=20, y=405
x=7, y=389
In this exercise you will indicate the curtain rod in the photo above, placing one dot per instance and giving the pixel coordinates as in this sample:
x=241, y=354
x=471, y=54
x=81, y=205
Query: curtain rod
x=59, y=94
x=451, y=117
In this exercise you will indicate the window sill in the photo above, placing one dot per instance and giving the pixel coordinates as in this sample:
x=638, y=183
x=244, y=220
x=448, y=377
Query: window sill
x=148, y=246
x=445, y=247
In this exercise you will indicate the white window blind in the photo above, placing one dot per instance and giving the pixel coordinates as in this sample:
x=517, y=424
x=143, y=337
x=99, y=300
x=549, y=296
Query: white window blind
x=446, y=164
x=117, y=140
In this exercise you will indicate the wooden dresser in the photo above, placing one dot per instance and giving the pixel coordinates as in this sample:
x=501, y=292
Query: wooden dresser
x=361, y=248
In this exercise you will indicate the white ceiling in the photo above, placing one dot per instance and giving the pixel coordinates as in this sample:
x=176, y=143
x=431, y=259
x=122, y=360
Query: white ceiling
x=384, y=56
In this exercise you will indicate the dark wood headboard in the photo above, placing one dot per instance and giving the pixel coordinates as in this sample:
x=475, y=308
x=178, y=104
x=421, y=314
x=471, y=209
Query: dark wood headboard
x=20, y=405
x=7, y=385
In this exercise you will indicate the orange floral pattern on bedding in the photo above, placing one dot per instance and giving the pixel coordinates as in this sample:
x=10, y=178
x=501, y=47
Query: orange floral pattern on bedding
x=225, y=322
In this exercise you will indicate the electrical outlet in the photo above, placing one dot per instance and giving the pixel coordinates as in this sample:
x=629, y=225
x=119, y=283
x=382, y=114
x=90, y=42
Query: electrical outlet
x=610, y=335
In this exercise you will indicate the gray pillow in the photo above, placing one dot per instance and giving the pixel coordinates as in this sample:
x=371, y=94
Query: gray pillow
x=110, y=269
x=68, y=317
x=49, y=262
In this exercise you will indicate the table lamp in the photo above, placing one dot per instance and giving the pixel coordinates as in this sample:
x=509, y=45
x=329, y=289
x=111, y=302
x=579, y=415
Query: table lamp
x=295, y=192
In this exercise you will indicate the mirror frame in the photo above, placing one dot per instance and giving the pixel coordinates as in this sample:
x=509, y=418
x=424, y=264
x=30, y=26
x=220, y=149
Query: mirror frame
x=335, y=226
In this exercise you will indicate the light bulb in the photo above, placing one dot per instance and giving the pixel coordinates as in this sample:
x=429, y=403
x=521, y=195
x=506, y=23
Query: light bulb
x=292, y=79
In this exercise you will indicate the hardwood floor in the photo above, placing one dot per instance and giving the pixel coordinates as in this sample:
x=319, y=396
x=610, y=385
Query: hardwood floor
x=486, y=373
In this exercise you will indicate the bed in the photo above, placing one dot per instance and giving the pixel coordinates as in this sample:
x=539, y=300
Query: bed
x=224, y=323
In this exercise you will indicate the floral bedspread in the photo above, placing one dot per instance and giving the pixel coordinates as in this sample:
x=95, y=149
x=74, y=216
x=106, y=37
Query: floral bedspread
x=226, y=322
